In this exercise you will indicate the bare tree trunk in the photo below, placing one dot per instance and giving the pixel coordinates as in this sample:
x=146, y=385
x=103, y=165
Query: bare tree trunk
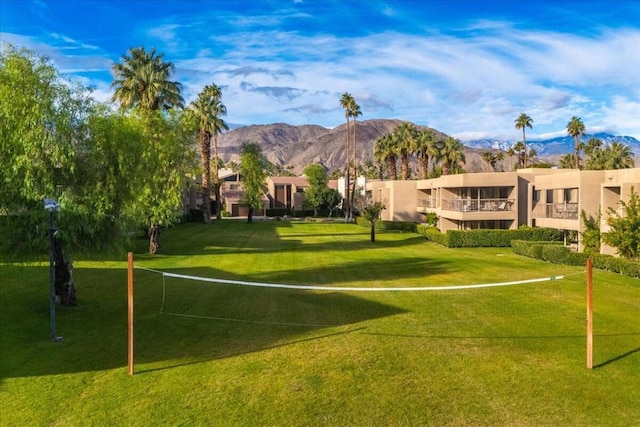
x=391, y=168
x=405, y=167
x=424, y=167
x=154, y=238
x=216, y=179
x=445, y=168
x=250, y=215
x=206, y=175
x=347, y=207
x=355, y=165
x=524, y=143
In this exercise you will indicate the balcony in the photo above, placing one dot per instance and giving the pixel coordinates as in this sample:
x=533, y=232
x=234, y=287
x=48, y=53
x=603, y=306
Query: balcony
x=557, y=210
x=478, y=205
x=427, y=203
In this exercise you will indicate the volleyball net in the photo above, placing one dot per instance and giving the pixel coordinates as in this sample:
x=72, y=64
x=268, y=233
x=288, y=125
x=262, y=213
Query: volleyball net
x=502, y=308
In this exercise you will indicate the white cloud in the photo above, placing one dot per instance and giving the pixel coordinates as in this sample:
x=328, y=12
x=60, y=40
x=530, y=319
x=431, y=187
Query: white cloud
x=475, y=82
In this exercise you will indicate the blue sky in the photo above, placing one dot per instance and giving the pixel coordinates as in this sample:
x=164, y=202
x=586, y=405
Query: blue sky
x=466, y=68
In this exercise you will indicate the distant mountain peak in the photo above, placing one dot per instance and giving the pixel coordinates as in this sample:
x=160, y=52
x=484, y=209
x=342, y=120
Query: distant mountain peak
x=558, y=145
x=299, y=146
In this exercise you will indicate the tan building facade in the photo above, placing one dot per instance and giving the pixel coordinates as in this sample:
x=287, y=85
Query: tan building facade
x=506, y=200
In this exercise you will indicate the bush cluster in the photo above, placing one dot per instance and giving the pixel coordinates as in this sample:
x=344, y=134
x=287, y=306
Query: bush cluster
x=559, y=254
x=488, y=238
x=433, y=234
x=617, y=265
x=411, y=227
x=273, y=212
x=531, y=249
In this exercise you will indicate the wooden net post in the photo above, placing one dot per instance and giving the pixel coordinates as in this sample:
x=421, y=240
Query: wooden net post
x=130, y=312
x=589, y=313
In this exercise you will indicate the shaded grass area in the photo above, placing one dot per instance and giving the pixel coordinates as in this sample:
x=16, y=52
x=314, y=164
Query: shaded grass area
x=511, y=355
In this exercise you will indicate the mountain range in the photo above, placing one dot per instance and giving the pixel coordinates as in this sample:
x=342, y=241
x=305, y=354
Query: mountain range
x=298, y=146
x=558, y=145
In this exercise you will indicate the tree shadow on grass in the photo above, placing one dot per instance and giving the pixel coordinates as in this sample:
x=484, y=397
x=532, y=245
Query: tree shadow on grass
x=264, y=237
x=95, y=332
x=272, y=347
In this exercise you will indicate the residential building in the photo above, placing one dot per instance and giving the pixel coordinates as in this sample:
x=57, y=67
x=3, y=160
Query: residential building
x=557, y=200
x=506, y=200
x=286, y=191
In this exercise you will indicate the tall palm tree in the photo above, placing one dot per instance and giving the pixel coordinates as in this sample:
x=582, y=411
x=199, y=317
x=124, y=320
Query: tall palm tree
x=493, y=159
x=219, y=125
x=594, y=153
x=576, y=129
x=425, y=148
x=142, y=81
x=346, y=102
x=517, y=150
x=451, y=155
x=404, y=136
x=567, y=161
x=206, y=110
x=385, y=154
x=354, y=112
x=618, y=156
x=523, y=121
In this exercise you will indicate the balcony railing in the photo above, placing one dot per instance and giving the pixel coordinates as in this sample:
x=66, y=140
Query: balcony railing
x=558, y=210
x=426, y=203
x=478, y=205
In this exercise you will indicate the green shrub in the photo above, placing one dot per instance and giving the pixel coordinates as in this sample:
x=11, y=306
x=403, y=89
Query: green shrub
x=617, y=265
x=302, y=213
x=433, y=234
x=411, y=227
x=431, y=218
x=399, y=225
x=562, y=255
x=276, y=212
x=557, y=253
x=530, y=249
x=493, y=238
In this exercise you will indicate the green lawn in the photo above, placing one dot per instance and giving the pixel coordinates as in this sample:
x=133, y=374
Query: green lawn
x=511, y=355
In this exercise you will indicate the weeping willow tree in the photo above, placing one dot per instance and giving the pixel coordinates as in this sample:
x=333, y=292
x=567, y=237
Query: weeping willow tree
x=110, y=171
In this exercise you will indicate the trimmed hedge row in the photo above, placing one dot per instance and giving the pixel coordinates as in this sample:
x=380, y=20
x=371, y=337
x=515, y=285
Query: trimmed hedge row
x=389, y=225
x=487, y=238
x=531, y=249
x=559, y=254
x=301, y=213
x=617, y=265
x=272, y=212
x=433, y=234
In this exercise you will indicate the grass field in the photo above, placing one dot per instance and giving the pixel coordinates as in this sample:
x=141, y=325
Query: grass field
x=498, y=356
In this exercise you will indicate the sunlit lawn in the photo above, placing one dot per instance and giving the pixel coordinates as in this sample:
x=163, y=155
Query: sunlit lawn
x=511, y=355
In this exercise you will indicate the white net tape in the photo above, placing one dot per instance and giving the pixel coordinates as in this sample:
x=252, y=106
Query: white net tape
x=351, y=289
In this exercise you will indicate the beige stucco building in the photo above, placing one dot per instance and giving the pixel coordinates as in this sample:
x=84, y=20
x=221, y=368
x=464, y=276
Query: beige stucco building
x=506, y=200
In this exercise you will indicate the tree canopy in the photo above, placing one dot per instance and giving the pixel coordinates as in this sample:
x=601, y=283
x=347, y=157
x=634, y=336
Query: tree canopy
x=372, y=213
x=317, y=192
x=142, y=81
x=624, y=232
x=252, y=171
x=102, y=166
